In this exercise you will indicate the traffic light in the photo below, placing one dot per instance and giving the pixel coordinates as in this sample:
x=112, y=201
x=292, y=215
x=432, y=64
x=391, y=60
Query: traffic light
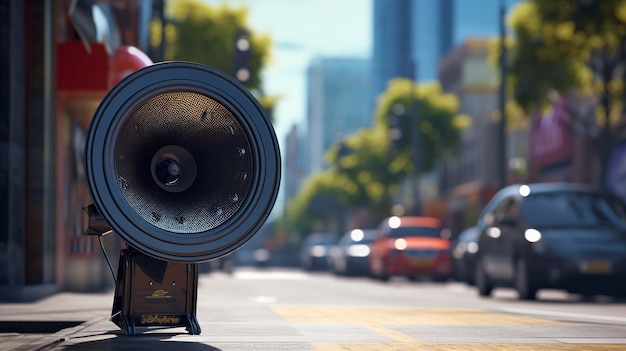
x=242, y=70
x=395, y=133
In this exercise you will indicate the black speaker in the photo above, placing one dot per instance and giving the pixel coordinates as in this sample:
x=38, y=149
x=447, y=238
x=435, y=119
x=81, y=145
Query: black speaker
x=182, y=162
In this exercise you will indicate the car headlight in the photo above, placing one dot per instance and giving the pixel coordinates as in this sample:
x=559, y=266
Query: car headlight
x=532, y=235
x=318, y=251
x=472, y=248
x=400, y=244
x=358, y=250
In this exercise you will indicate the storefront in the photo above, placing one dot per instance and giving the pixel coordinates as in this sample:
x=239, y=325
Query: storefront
x=61, y=58
x=551, y=145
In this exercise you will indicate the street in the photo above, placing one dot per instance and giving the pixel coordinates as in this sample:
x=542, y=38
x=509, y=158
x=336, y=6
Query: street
x=289, y=309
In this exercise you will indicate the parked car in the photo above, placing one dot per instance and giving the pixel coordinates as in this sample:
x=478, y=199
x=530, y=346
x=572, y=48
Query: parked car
x=464, y=251
x=411, y=247
x=552, y=235
x=350, y=256
x=315, y=249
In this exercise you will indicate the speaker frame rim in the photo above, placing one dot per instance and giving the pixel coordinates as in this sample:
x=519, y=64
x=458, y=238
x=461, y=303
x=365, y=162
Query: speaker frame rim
x=120, y=103
x=112, y=182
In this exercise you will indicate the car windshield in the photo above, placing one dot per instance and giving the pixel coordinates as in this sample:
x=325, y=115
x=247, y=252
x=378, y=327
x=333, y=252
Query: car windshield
x=321, y=240
x=573, y=209
x=404, y=232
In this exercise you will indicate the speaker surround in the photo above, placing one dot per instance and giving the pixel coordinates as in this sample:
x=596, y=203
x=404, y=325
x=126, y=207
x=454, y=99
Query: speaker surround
x=182, y=162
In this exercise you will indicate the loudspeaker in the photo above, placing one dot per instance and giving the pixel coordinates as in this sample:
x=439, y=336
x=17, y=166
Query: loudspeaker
x=182, y=162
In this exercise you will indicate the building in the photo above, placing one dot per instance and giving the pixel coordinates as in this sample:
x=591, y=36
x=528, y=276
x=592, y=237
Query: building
x=59, y=58
x=393, y=44
x=337, y=98
x=470, y=179
x=433, y=29
x=294, y=162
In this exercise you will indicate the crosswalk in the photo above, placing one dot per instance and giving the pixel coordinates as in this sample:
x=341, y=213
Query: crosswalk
x=445, y=329
x=329, y=325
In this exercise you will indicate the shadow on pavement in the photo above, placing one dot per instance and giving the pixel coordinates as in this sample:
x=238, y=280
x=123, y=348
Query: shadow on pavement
x=141, y=342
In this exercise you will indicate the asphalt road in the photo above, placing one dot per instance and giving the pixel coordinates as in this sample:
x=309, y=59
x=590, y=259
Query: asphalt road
x=279, y=309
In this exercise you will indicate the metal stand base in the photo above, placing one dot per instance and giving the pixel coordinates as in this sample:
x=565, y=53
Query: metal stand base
x=150, y=292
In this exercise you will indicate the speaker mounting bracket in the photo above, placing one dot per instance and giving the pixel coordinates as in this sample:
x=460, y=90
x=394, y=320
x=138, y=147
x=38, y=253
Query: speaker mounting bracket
x=153, y=293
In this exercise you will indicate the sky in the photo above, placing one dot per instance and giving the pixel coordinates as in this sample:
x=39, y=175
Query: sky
x=301, y=30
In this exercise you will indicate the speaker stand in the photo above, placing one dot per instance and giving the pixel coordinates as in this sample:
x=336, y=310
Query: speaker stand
x=153, y=293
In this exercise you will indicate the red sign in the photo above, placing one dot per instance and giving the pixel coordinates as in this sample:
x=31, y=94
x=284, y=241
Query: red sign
x=95, y=71
x=81, y=70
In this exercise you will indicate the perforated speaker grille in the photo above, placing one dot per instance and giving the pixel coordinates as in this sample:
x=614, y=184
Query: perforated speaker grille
x=214, y=138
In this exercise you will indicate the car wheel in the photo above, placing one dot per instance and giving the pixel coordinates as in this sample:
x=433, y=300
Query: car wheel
x=470, y=278
x=440, y=278
x=384, y=271
x=378, y=269
x=482, y=281
x=525, y=289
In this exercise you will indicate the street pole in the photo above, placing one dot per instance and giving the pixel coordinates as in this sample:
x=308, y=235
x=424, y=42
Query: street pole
x=415, y=142
x=502, y=147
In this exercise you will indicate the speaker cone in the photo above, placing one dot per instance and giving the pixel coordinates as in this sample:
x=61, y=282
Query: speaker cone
x=182, y=162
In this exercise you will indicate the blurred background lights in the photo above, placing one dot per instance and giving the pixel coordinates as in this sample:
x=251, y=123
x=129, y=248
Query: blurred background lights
x=446, y=233
x=356, y=235
x=524, y=190
x=360, y=250
x=493, y=232
x=532, y=235
x=398, y=210
x=472, y=248
x=400, y=244
x=243, y=74
x=394, y=222
x=243, y=44
x=318, y=251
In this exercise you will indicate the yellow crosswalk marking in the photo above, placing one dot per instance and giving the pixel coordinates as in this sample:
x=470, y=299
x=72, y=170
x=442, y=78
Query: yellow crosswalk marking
x=376, y=320
x=463, y=347
x=409, y=316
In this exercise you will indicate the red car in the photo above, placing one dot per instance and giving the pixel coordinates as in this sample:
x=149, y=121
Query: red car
x=411, y=247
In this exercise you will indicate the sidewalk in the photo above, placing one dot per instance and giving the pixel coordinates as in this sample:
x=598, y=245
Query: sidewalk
x=80, y=321
x=41, y=324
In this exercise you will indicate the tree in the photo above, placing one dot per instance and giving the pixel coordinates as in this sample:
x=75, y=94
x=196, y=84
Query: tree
x=362, y=159
x=572, y=46
x=208, y=35
x=439, y=125
x=322, y=196
x=362, y=171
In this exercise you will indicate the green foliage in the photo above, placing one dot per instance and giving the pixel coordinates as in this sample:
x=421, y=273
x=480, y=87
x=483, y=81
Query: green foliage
x=320, y=197
x=205, y=34
x=565, y=45
x=363, y=172
x=543, y=58
x=439, y=126
x=362, y=161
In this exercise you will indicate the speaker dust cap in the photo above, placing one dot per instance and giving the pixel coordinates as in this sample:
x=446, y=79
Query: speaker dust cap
x=182, y=162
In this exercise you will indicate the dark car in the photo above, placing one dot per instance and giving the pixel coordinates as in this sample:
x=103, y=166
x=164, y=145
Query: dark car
x=315, y=250
x=350, y=256
x=464, y=253
x=411, y=247
x=552, y=235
